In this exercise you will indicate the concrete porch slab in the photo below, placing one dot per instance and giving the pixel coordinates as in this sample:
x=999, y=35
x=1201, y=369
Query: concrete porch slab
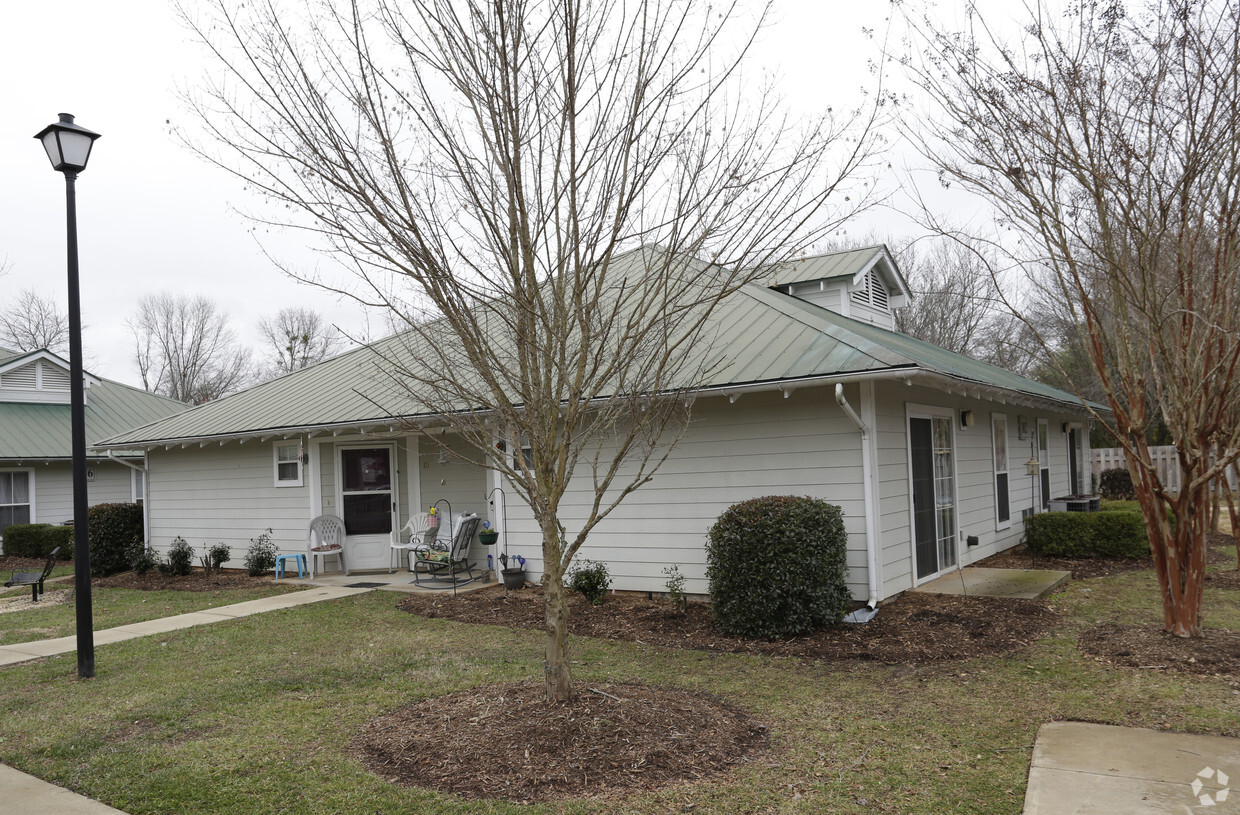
x=398, y=581
x=1080, y=768
x=976, y=581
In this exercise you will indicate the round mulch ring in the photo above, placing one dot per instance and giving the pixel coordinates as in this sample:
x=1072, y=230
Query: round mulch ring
x=914, y=628
x=506, y=742
x=1150, y=648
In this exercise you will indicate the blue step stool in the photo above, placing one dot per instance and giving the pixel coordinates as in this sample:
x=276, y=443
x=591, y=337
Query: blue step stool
x=282, y=559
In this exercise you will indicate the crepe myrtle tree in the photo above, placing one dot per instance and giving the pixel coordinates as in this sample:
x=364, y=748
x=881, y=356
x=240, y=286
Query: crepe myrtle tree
x=552, y=198
x=1105, y=138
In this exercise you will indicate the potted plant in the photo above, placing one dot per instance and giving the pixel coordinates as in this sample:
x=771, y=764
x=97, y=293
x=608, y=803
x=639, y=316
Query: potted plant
x=514, y=576
x=488, y=536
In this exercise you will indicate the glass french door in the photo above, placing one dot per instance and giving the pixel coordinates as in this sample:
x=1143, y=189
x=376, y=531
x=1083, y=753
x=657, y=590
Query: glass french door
x=934, y=493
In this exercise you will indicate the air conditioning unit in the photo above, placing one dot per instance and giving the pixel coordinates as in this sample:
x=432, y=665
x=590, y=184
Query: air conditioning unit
x=1076, y=503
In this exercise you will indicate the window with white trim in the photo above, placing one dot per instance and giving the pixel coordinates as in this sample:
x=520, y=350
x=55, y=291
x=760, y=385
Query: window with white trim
x=15, y=504
x=1003, y=507
x=288, y=464
x=137, y=485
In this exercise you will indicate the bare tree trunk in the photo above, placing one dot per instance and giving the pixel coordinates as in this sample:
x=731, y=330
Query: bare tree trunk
x=559, y=681
x=1233, y=512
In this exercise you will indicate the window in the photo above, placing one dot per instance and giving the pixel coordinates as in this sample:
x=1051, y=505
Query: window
x=1003, y=509
x=137, y=485
x=15, y=498
x=288, y=464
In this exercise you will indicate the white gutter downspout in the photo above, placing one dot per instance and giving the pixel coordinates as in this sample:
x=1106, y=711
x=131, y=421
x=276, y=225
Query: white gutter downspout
x=871, y=518
x=146, y=509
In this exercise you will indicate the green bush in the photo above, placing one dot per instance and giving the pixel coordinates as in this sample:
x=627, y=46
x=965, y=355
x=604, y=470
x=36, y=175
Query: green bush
x=116, y=537
x=1116, y=485
x=215, y=556
x=261, y=556
x=776, y=567
x=1109, y=534
x=591, y=579
x=145, y=560
x=180, y=561
x=37, y=540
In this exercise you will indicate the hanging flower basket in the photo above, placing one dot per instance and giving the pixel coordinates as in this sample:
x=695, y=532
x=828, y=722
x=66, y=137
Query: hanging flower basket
x=488, y=538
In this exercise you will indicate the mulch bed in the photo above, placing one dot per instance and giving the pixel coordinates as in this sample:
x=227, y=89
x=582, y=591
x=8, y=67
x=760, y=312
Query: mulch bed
x=1229, y=579
x=194, y=581
x=916, y=629
x=507, y=742
x=1150, y=648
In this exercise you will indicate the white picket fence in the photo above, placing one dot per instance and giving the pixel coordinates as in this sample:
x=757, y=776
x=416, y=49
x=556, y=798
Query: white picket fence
x=1164, y=458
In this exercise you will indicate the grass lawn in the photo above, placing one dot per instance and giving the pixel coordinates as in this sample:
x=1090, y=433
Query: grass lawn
x=256, y=715
x=112, y=607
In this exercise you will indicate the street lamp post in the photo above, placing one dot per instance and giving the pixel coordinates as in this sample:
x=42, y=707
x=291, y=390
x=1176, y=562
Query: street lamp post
x=68, y=147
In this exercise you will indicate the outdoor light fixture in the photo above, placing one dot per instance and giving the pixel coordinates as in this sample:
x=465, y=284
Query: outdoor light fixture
x=67, y=144
x=68, y=148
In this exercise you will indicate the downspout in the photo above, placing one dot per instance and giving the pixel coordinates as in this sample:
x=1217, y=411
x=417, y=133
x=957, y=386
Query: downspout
x=146, y=508
x=871, y=520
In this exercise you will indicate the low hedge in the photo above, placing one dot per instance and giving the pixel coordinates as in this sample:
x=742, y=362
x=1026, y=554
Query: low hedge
x=1110, y=534
x=37, y=540
x=776, y=567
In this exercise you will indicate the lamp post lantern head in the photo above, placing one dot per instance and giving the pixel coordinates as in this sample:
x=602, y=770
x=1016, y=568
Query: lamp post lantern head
x=67, y=145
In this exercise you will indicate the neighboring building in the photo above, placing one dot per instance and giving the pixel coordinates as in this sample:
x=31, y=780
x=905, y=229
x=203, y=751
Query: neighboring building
x=36, y=450
x=923, y=449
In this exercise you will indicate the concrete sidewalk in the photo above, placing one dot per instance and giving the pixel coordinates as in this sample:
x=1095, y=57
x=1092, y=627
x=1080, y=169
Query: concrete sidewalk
x=1080, y=768
x=25, y=793
x=24, y=651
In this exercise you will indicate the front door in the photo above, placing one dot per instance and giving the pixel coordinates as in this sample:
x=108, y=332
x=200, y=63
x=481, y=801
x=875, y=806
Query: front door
x=368, y=504
x=934, y=493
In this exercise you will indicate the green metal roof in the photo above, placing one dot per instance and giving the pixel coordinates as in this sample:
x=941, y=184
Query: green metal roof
x=38, y=430
x=759, y=336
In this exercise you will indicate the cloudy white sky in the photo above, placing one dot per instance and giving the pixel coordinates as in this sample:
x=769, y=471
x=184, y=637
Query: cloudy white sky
x=153, y=217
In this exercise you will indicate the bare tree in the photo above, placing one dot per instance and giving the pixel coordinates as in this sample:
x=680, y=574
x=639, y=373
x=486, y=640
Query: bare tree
x=1107, y=141
x=185, y=349
x=490, y=170
x=296, y=338
x=31, y=322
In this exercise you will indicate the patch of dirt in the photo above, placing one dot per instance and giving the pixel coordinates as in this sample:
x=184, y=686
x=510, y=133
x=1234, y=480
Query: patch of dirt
x=912, y=629
x=1220, y=550
x=23, y=602
x=507, y=742
x=1020, y=557
x=1149, y=647
x=1228, y=579
x=194, y=581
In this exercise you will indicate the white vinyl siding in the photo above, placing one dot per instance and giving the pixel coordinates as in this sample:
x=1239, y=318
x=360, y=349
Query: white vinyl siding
x=222, y=494
x=112, y=483
x=760, y=445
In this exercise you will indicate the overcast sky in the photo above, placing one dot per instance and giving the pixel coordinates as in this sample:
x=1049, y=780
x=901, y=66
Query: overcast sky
x=154, y=217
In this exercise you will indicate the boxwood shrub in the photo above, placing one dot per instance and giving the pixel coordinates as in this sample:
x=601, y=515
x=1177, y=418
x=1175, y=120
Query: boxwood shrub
x=1116, y=485
x=116, y=537
x=1109, y=534
x=37, y=540
x=776, y=567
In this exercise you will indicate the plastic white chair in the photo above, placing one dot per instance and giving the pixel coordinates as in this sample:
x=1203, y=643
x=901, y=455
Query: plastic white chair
x=409, y=537
x=326, y=539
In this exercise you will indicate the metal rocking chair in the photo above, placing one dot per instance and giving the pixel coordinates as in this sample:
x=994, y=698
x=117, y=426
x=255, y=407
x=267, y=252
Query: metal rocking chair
x=442, y=561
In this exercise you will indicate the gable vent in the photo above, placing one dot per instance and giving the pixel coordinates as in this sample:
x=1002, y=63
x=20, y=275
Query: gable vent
x=871, y=292
x=55, y=378
x=24, y=377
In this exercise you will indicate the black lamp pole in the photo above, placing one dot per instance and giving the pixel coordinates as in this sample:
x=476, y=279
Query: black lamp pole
x=68, y=147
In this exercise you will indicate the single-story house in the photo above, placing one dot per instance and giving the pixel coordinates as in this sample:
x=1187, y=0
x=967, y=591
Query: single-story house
x=36, y=449
x=818, y=395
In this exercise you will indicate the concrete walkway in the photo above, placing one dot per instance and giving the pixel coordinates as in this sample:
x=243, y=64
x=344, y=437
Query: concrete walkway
x=24, y=651
x=25, y=793
x=1080, y=768
x=978, y=581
